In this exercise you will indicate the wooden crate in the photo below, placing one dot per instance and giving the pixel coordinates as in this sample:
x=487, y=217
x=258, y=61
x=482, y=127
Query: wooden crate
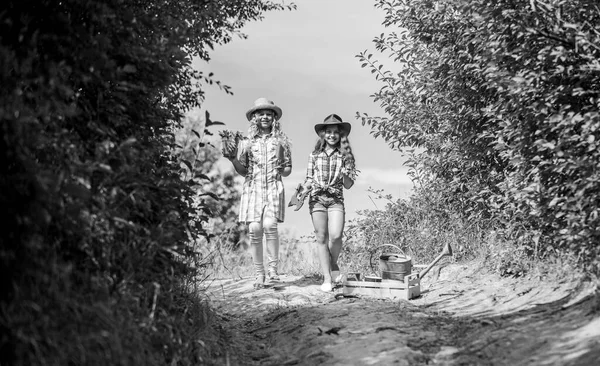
x=386, y=289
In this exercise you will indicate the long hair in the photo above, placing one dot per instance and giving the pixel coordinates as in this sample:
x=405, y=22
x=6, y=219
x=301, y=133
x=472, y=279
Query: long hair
x=344, y=146
x=321, y=144
x=284, y=140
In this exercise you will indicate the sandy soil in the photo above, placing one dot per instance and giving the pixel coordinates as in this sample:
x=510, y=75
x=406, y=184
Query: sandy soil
x=465, y=316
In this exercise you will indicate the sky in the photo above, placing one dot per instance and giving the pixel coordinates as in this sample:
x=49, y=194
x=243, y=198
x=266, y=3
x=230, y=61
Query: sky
x=304, y=61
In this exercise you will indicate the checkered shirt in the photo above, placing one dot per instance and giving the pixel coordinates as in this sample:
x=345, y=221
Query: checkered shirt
x=325, y=172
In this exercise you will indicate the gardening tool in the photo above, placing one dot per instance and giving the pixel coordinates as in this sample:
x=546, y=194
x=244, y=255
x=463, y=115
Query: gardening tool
x=447, y=251
x=298, y=197
x=393, y=266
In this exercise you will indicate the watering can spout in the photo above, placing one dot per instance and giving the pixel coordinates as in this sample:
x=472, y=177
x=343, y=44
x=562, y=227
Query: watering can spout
x=447, y=251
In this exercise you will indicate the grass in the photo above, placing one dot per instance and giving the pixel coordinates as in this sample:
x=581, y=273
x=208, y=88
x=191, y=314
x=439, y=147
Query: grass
x=156, y=326
x=508, y=259
x=297, y=256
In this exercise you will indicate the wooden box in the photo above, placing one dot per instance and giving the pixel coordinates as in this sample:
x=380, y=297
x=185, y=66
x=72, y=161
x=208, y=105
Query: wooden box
x=408, y=289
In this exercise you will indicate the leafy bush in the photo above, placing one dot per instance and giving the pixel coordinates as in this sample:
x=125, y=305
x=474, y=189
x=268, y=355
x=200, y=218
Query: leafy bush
x=217, y=195
x=419, y=227
x=97, y=218
x=496, y=106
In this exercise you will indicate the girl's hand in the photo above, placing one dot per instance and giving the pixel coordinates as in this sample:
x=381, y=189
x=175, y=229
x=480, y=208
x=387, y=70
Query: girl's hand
x=307, y=186
x=349, y=168
x=229, y=148
x=349, y=161
x=280, y=156
x=229, y=143
x=230, y=151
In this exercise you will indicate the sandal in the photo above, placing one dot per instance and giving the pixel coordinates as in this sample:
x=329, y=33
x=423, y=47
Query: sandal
x=274, y=276
x=260, y=282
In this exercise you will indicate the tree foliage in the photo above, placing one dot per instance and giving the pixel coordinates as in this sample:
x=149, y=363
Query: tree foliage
x=96, y=215
x=496, y=105
x=218, y=193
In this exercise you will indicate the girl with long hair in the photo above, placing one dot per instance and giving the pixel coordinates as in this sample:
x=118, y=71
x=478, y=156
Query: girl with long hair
x=331, y=168
x=265, y=157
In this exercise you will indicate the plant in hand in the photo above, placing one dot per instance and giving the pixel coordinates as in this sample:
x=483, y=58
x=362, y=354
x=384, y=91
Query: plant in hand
x=229, y=142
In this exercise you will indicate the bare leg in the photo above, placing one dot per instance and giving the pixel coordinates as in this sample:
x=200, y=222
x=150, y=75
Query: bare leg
x=322, y=236
x=336, y=229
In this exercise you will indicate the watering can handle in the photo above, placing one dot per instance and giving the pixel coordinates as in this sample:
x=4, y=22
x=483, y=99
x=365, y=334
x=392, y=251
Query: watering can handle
x=373, y=250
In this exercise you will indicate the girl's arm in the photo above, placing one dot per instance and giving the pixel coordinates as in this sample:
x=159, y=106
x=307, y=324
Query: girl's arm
x=348, y=171
x=310, y=171
x=237, y=165
x=286, y=170
x=348, y=182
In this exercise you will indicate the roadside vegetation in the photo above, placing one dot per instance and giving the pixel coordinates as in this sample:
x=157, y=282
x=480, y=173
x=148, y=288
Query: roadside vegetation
x=496, y=108
x=114, y=213
x=103, y=196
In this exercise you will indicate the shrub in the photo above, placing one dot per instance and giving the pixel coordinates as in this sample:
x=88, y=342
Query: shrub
x=97, y=216
x=500, y=100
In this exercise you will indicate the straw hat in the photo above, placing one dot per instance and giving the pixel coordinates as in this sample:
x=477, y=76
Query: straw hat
x=264, y=103
x=334, y=120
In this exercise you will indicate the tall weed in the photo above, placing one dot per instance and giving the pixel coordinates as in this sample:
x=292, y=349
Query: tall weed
x=417, y=227
x=297, y=256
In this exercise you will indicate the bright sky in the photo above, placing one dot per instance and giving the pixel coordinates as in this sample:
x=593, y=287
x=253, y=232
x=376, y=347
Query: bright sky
x=305, y=62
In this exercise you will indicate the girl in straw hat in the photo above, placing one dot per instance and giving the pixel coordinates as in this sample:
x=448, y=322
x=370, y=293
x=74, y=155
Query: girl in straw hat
x=330, y=169
x=265, y=157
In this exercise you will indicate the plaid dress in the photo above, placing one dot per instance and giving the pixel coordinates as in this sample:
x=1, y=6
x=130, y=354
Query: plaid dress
x=325, y=171
x=262, y=192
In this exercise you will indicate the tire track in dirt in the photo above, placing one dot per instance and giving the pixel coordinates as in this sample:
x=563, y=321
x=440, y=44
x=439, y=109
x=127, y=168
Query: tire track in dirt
x=466, y=317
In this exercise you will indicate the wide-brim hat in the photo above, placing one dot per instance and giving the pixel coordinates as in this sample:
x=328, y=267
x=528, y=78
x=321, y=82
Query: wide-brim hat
x=264, y=103
x=334, y=120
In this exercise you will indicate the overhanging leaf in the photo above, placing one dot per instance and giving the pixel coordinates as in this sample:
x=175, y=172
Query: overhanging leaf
x=188, y=164
x=211, y=194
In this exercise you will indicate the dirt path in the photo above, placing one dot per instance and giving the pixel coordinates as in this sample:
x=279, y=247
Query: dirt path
x=466, y=317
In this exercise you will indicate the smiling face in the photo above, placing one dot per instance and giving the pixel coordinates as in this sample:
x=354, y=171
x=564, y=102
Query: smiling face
x=264, y=119
x=331, y=134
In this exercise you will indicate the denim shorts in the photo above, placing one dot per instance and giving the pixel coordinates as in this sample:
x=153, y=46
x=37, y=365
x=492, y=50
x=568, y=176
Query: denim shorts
x=321, y=203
